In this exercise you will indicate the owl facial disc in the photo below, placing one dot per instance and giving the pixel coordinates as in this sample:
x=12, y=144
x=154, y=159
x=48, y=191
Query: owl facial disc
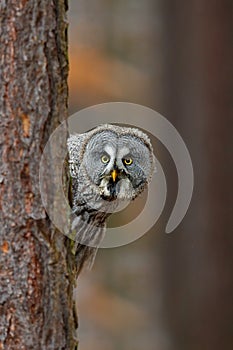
x=111, y=162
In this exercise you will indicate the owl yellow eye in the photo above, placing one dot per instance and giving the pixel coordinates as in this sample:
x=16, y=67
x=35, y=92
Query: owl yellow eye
x=127, y=161
x=105, y=159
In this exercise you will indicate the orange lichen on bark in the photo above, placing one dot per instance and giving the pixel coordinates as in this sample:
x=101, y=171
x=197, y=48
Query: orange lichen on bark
x=5, y=247
x=26, y=124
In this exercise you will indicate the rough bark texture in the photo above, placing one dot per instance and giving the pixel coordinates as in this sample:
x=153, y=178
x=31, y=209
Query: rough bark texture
x=37, y=272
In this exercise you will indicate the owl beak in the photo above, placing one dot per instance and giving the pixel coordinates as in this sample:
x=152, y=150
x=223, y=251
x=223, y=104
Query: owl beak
x=114, y=174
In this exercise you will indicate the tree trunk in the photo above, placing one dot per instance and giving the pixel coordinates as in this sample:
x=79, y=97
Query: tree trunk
x=37, y=270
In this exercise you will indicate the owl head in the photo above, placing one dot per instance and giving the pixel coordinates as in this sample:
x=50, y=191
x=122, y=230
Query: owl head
x=115, y=162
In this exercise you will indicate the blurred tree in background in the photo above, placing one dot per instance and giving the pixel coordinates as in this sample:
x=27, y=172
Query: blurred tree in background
x=163, y=292
x=197, y=93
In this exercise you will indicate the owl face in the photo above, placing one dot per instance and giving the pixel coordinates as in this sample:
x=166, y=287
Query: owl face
x=118, y=162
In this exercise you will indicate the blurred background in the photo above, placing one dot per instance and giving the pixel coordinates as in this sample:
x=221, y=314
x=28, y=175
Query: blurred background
x=163, y=292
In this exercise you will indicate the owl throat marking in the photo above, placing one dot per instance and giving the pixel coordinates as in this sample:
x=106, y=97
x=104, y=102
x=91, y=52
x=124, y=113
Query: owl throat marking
x=110, y=185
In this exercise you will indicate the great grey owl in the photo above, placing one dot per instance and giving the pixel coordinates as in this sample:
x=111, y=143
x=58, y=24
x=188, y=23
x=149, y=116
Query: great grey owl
x=108, y=165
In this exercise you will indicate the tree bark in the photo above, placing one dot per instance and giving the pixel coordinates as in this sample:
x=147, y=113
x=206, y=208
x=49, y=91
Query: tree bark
x=37, y=269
